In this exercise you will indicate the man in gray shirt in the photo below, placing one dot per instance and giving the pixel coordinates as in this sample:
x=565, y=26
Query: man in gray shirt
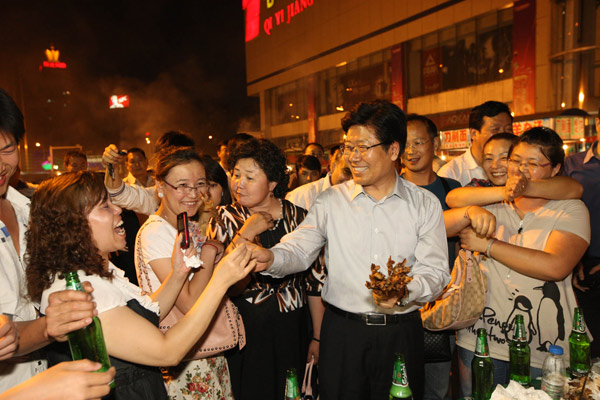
x=365, y=221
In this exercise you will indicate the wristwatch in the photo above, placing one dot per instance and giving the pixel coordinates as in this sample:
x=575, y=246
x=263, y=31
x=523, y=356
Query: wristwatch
x=403, y=302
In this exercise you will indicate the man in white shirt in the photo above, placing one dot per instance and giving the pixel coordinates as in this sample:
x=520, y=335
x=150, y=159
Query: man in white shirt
x=22, y=332
x=365, y=221
x=485, y=121
x=304, y=196
x=137, y=165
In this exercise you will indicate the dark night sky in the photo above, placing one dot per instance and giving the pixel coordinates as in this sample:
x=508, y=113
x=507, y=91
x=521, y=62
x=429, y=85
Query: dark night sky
x=182, y=63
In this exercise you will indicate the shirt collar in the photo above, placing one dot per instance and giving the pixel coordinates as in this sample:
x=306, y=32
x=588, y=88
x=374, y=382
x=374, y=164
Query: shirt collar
x=356, y=189
x=17, y=199
x=590, y=153
x=469, y=160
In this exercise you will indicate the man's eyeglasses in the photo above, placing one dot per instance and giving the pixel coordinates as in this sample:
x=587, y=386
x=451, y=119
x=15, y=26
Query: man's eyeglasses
x=530, y=165
x=362, y=148
x=185, y=189
x=417, y=145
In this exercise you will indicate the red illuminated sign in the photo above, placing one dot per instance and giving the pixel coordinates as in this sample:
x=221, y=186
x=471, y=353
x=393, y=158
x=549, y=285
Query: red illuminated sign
x=274, y=18
x=48, y=64
x=118, y=101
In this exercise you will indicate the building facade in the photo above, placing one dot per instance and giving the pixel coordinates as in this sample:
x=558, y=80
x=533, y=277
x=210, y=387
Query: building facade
x=309, y=61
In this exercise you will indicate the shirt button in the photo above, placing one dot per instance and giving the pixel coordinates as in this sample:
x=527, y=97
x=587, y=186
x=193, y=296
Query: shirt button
x=376, y=230
x=375, y=256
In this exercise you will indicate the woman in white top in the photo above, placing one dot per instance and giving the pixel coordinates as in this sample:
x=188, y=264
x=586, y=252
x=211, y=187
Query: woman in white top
x=74, y=226
x=532, y=245
x=182, y=186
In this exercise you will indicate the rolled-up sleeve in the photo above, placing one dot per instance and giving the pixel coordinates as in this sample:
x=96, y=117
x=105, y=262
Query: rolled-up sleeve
x=136, y=198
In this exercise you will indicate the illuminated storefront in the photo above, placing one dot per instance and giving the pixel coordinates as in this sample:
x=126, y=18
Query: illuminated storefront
x=309, y=61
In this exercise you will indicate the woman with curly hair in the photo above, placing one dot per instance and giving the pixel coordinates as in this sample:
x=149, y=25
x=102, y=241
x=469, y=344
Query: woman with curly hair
x=74, y=227
x=273, y=310
x=181, y=186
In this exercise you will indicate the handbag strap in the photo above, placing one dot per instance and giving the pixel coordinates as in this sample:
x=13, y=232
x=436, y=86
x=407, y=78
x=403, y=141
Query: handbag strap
x=306, y=383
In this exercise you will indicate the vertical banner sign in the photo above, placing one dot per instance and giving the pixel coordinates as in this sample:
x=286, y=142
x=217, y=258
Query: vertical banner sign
x=311, y=109
x=431, y=74
x=524, y=57
x=252, y=8
x=398, y=97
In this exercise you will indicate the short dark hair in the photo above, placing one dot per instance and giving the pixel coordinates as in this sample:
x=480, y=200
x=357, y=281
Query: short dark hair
x=511, y=137
x=174, y=138
x=319, y=145
x=11, y=118
x=72, y=154
x=215, y=173
x=550, y=143
x=269, y=158
x=430, y=127
x=387, y=120
x=309, y=162
x=137, y=150
x=488, y=109
x=333, y=149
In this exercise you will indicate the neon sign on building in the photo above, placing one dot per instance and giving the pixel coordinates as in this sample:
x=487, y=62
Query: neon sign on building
x=273, y=15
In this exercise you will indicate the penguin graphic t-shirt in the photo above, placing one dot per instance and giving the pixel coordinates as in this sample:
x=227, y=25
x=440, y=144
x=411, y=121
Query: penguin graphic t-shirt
x=547, y=307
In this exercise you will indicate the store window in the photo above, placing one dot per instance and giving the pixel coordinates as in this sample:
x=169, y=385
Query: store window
x=470, y=53
x=342, y=87
x=288, y=102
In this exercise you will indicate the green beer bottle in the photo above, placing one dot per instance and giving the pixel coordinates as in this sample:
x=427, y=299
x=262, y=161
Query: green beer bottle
x=292, y=390
x=87, y=342
x=579, y=347
x=400, y=388
x=482, y=368
x=519, y=353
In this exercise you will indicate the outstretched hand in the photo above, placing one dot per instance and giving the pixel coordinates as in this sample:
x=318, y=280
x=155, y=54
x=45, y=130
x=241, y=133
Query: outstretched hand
x=66, y=381
x=262, y=256
x=235, y=266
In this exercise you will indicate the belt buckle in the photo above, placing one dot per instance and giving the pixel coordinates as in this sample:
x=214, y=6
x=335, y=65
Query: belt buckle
x=375, y=319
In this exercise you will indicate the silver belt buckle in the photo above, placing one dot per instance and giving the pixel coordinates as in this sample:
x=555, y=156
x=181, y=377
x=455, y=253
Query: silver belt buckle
x=376, y=319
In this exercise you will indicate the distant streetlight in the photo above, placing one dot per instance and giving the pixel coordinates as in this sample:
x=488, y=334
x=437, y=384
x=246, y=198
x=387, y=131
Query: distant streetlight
x=209, y=137
x=37, y=144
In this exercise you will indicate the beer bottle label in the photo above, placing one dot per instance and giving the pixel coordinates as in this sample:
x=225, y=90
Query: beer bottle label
x=400, y=379
x=579, y=326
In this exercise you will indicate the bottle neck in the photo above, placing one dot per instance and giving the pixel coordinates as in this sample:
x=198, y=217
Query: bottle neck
x=72, y=281
x=519, y=333
x=578, y=323
x=481, y=348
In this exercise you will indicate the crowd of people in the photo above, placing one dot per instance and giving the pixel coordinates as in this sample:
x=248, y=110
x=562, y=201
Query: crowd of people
x=292, y=251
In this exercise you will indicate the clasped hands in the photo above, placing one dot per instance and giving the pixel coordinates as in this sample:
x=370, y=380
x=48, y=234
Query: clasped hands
x=477, y=236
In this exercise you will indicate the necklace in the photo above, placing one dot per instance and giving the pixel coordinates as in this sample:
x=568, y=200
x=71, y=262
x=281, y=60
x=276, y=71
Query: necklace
x=280, y=218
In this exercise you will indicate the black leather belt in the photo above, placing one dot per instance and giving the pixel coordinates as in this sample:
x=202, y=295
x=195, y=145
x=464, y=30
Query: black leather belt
x=378, y=319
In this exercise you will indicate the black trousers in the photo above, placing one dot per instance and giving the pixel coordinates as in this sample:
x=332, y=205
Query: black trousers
x=356, y=361
x=275, y=341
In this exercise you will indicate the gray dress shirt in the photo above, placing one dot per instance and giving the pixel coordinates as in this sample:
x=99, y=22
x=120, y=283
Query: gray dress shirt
x=357, y=231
